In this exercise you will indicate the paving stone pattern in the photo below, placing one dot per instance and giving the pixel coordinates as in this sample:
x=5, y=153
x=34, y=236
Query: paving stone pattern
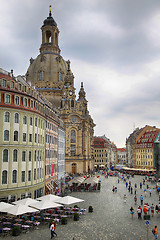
x=110, y=220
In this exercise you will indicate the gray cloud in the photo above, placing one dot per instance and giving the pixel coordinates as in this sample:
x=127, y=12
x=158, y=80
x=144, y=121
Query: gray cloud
x=113, y=47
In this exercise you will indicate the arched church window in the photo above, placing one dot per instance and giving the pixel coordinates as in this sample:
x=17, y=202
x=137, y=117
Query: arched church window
x=73, y=136
x=48, y=37
x=56, y=38
x=72, y=103
x=40, y=76
x=73, y=150
x=60, y=76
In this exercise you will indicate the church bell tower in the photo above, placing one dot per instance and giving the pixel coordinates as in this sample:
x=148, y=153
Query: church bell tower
x=50, y=35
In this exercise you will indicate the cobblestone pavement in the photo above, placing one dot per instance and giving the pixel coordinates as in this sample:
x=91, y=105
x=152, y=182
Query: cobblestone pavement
x=110, y=220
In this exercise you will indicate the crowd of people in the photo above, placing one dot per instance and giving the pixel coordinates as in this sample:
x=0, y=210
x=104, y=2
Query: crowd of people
x=144, y=209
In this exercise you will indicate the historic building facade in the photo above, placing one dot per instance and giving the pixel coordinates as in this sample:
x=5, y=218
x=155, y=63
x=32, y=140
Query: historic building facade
x=52, y=77
x=29, y=140
x=22, y=158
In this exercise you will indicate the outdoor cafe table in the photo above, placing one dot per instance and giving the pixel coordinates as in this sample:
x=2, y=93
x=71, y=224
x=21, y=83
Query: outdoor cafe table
x=25, y=226
x=6, y=230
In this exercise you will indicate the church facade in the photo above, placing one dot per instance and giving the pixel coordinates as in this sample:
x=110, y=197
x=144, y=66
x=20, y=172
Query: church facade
x=52, y=77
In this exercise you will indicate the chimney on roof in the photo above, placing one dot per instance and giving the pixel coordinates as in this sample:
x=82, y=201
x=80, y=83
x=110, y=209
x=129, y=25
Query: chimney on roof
x=11, y=72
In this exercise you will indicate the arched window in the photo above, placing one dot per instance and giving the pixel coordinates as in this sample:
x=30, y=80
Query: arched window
x=73, y=136
x=16, y=118
x=73, y=150
x=7, y=117
x=40, y=76
x=14, y=176
x=72, y=103
x=4, y=177
x=15, y=155
x=15, y=135
x=5, y=155
x=24, y=119
x=6, y=135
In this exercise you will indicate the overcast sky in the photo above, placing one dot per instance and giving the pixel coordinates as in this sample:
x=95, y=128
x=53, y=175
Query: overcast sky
x=114, y=49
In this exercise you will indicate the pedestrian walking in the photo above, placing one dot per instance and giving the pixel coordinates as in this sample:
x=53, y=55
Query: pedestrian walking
x=145, y=190
x=131, y=190
x=157, y=209
x=52, y=228
x=135, y=191
x=140, y=185
x=126, y=184
x=150, y=192
x=154, y=231
x=135, y=199
x=152, y=210
x=125, y=198
x=141, y=198
x=132, y=211
x=145, y=210
x=113, y=189
x=139, y=212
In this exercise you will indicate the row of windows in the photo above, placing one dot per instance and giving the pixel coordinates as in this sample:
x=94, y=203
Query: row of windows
x=38, y=122
x=13, y=85
x=26, y=102
x=37, y=175
x=144, y=163
x=52, y=140
x=144, y=156
x=38, y=155
x=144, y=150
x=24, y=137
x=99, y=160
x=51, y=154
x=99, y=150
x=51, y=126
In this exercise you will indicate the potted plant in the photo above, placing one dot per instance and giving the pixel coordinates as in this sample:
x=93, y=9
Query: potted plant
x=90, y=209
x=64, y=221
x=76, y=216
x=15, y=231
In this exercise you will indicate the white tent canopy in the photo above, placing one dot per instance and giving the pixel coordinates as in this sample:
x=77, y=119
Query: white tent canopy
x=69, y=200
x=19, y=210
x=25, y=201
x=4, y=205
x=49, y=197
x=45, y=205
x=92, y=180
x=78, y=180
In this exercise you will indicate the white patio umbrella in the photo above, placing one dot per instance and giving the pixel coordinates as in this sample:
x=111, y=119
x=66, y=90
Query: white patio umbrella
x=45, y=205
x=25, y=201
x=69, y=200
x=4, y=205
x=19, y=210
x=49, y=197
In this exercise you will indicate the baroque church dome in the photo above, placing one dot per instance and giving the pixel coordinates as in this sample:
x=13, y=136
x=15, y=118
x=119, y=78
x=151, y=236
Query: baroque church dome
x=48, y=70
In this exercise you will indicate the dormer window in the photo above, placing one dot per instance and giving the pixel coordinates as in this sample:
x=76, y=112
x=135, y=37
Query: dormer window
x=4, y=83
x=12, y=84
x=19, y=87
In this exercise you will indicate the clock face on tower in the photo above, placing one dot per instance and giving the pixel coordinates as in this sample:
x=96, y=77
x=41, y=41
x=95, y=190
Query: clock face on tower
x=70, y=93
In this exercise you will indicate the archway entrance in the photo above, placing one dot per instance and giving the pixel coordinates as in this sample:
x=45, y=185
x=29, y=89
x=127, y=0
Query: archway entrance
x=74, y=168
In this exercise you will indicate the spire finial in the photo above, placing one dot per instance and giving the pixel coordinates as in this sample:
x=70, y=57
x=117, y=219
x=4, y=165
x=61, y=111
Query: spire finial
x=50, y=6
x=68, y=63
